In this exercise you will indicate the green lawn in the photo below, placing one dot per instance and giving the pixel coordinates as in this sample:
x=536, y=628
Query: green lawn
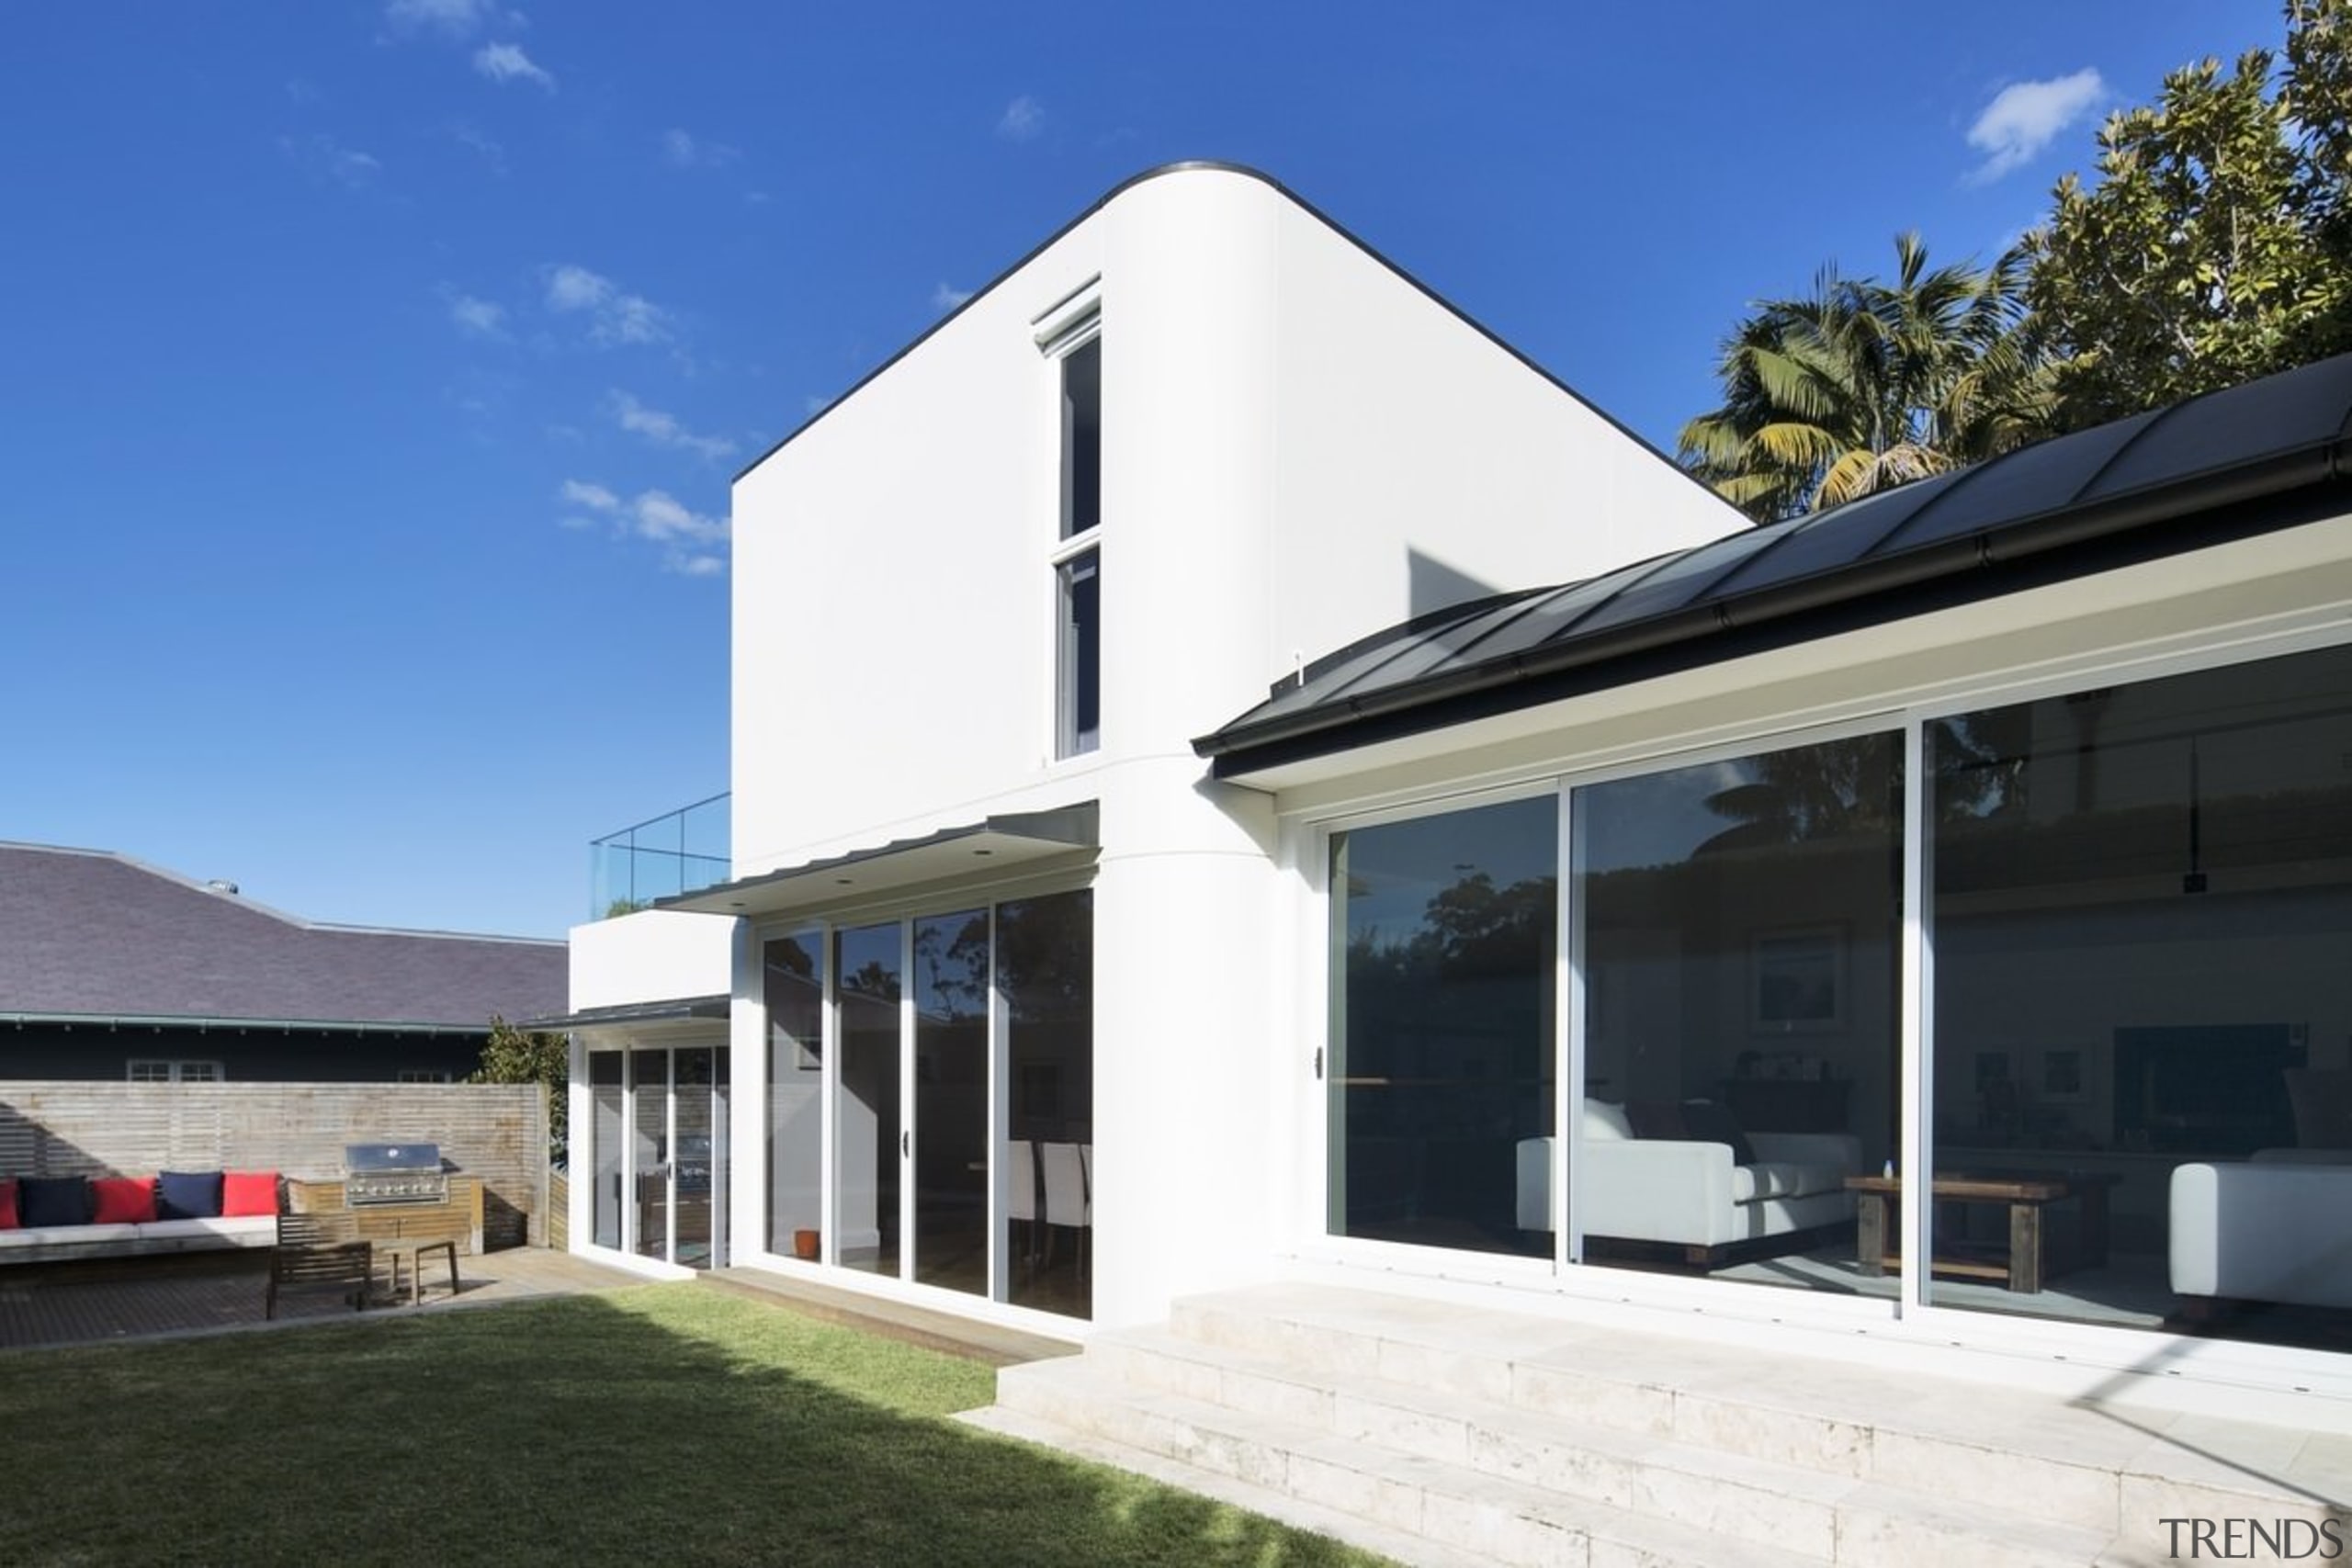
x=663, y=1424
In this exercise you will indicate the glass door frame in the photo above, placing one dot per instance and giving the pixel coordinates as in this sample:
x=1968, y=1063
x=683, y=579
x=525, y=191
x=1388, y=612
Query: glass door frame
x=1566, y=1266
x=911, y=1133
x=827, y=927
x=720, y=1089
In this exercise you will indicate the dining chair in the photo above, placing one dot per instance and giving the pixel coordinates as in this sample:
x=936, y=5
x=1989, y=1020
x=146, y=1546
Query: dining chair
x=1067, y=1203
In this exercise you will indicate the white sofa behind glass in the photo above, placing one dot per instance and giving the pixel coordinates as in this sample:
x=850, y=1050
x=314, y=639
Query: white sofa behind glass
x=1690, y=1193
x=2277, y=1228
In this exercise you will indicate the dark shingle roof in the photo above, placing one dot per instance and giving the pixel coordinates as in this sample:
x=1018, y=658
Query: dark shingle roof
x=2272, y=452
x=88, y=933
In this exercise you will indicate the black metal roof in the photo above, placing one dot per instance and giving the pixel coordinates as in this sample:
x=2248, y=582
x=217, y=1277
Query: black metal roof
x=87, y=934
x=2267, y=454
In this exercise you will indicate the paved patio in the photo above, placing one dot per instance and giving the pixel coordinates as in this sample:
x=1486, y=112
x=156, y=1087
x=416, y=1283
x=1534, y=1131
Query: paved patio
x=71, y=1303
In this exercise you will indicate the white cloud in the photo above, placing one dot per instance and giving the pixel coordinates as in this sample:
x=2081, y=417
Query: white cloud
x=480, y=318
x=615, y=315
x=945, y=297
x=503, y=63
x=577, y=288
x=663, y=429
x=1023, y=119
x=693, y=541
x=323, y=157
x=683, y=151
x=2025, y=117
x=488, y=149
x=458, y=18
x=594, y=497
x=663, y=518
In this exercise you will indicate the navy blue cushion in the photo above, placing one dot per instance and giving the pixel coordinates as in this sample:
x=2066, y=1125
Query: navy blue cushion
x=44, y=1201
x=187, y=1194
x=1656, y=1119
x=1712, y=1123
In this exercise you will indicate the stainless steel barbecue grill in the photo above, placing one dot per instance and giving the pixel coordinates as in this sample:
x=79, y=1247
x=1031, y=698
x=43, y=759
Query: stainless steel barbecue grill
x=378, y=1174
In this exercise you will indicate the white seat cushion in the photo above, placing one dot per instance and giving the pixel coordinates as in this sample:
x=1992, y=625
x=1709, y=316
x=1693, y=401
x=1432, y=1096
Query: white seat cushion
x=1784, y=1178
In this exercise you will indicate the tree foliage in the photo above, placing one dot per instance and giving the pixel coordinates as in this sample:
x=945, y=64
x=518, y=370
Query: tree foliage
x=1862, y=384
x=515, y=1056
x=2216, y=246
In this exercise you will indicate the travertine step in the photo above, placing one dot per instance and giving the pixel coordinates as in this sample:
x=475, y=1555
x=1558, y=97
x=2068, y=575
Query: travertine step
x=1416, y=1551
x=2003, y=1449
x=1520, y=1438
x=1579, y=1495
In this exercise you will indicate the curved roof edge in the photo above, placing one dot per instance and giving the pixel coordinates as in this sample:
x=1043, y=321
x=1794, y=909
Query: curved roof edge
x=1216, y=165
x=2270, y=453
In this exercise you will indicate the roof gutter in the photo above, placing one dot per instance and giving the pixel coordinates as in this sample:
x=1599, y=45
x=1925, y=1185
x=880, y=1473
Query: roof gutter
x=242, y=1025
x=1318, y=731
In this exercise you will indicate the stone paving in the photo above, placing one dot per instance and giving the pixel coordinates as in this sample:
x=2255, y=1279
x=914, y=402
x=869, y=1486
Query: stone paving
x=70, y=1303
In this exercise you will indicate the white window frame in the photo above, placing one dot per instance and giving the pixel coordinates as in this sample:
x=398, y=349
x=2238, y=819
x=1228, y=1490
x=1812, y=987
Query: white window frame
x=1071, y=323
x=175, y=1070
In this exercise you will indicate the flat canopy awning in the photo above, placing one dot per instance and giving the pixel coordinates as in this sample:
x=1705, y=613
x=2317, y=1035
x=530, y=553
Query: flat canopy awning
x=681, y=1010
x=990, y=845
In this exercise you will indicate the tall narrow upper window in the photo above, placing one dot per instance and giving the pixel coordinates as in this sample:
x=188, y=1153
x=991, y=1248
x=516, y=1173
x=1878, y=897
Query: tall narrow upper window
x=1077, y=564
x=1083, y=438
x=1080, y=659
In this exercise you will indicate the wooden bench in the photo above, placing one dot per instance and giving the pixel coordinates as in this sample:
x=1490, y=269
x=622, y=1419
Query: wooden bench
x=316, y=1250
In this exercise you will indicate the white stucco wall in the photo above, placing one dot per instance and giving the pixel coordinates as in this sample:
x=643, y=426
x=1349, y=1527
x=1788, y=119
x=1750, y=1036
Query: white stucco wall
x=652, y=955
x=1298, y=447
x=1420, y=462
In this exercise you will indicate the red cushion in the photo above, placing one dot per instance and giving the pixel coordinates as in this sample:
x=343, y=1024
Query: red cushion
x=248, y=1192
x=123, y=1200
x=8, y=1221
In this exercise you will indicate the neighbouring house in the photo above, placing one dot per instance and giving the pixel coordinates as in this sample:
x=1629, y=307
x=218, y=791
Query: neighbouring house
x=1238, y=777
x=110, y=969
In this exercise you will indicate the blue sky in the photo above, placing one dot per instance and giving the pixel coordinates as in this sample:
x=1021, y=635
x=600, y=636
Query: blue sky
x=374, y=370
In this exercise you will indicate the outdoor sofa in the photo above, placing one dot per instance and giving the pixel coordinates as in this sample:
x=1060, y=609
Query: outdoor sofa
x=52, y=1219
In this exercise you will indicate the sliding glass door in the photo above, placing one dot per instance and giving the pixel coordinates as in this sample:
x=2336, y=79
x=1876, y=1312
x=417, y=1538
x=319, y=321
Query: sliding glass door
x=1443, y=953
x=1045, y=969
x=869, y=1137
x=2141, y=1015
x=2128, y=909
x=795, y=992
x=955, y=1053
x=951, y=1100
x=1742, y=1018
x=656, y=1148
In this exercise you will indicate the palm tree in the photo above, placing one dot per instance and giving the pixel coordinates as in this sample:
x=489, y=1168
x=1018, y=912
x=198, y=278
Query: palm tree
x=1862, y=384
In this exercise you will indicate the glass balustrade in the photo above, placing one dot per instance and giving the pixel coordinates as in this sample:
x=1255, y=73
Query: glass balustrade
x=678, y=851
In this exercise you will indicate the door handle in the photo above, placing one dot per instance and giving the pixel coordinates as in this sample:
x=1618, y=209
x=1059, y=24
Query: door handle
x=906, y=1144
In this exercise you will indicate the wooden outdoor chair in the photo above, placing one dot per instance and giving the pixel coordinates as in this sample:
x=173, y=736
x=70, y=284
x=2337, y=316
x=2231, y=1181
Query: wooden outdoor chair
x=316, y=1250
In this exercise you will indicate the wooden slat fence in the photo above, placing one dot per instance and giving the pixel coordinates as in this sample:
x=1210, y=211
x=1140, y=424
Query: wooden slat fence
x=494, y=1132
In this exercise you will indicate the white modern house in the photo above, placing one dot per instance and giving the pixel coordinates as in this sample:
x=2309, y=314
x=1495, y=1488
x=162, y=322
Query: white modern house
x=1241, y=780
